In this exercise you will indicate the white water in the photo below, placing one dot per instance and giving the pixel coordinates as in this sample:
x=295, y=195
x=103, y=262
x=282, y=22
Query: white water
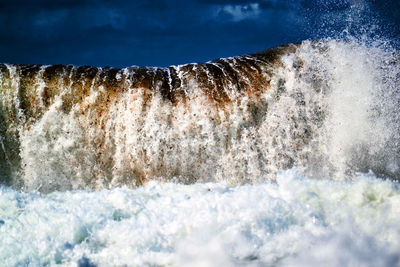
x=324, y=215
x=297, y=222
x=331, y=107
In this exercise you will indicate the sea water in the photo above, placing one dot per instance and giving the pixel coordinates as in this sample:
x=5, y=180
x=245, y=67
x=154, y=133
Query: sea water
x=297, y=221
x=244, y=161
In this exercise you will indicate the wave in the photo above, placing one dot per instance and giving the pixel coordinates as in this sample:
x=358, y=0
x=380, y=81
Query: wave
x=328, y=105
x=297, y=222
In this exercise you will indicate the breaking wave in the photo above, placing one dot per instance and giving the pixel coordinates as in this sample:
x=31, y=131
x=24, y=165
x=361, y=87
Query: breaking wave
x=266, y=159
x=296, y=222
x=331, y=106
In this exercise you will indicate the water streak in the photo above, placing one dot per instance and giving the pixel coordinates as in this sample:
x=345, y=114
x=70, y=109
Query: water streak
x=328, y=105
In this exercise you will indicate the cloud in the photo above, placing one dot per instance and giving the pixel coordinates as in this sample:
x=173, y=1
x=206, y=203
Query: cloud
x=159, y=32
x=121, y=33
x=239, y=12
x=46, y=19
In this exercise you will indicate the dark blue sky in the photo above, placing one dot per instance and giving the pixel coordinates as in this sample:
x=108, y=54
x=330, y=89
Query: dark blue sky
x=164, y=32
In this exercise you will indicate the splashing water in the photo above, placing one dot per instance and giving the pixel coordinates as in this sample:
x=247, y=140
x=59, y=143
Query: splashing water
x=297, y=221
x=267, y=159
x=330, y=106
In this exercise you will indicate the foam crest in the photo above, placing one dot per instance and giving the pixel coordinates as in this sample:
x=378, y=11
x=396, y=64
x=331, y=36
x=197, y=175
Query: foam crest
x=327, y=105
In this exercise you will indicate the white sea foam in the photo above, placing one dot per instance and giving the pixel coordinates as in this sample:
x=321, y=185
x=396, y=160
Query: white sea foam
x=330, y=105
x=297, y=221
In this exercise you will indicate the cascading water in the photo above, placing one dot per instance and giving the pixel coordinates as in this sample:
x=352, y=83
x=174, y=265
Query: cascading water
x=330, y=106
x=266, y=159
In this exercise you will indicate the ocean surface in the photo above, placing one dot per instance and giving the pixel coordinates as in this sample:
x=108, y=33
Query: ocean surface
x=297, y=221
x=287, y=157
